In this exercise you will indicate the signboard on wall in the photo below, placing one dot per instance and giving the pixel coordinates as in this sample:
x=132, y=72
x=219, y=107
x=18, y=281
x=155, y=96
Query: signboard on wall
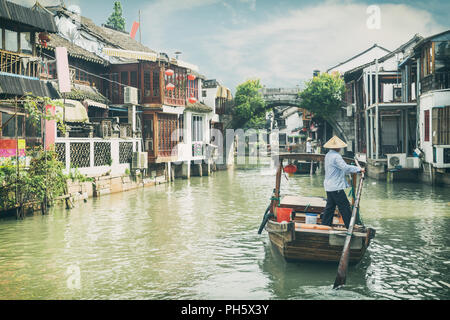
x=8, y=150
x=62, y=68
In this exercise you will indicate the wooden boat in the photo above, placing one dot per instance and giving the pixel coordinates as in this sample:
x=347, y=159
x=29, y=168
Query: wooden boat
x=304, y=167
x=298, y=241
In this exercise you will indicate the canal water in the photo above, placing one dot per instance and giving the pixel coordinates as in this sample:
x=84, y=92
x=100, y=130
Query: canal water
x=198, y=239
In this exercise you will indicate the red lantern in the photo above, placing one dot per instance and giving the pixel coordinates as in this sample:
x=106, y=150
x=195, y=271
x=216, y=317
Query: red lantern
x=192, y=100
x=170, y=87
x=169, y=72
x=44, y=37
x=291, y=169
x=192, y=77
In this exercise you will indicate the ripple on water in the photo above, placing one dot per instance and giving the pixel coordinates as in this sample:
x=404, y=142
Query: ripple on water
x=198, y=239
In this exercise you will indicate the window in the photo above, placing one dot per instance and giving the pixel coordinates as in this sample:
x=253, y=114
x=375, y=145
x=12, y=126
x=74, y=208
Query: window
x=9, y=123
x=441, y=126
x=148, y=129
x=442, y=56
x=192, y=88
x=181, y=128
x=11, y=40
x=167, y=124
x=124, y=78
x=197, y=128
x=427, y=125
x=25, y=43
x=147, y=92
x=156, y=83
x=133, y=80
x=1, y=38
x=204, y=93
x=115, y=87
x=31, y=129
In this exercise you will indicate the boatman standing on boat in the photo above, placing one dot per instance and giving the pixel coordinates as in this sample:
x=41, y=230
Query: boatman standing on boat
x=308, y=146
x=335, y=182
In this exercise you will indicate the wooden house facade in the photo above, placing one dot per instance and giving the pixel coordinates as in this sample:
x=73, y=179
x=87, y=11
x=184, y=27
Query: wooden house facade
x=20, y=28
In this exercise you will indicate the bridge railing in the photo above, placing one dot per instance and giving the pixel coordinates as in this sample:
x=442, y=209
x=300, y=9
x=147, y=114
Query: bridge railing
x=280, y=91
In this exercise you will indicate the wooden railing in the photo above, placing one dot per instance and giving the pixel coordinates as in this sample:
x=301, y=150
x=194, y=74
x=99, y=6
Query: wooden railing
x=17, y=63
x=436, y=81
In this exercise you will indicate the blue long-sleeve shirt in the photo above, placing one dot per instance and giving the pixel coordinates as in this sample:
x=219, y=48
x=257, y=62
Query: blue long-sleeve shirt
x=335, y=171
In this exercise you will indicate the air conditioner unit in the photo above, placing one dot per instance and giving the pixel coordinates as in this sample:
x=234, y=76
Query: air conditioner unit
x=398, y=94
x=130, y=95
x=140, y=160
x=442, y=157
x=413, y=162
x=396, y=160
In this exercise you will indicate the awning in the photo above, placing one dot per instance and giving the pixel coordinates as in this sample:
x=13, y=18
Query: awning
x=91, y=103
x=138, y=55
x=187, y=65
x=74, y=111
x=223, y=92
x=18, y=85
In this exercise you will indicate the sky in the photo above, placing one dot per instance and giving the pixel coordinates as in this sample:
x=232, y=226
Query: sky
x=279, y=42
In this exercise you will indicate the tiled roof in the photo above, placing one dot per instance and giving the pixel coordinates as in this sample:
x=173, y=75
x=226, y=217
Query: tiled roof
x=11, y=84
x=73, y=50
x=198, y=107
x=35, y=18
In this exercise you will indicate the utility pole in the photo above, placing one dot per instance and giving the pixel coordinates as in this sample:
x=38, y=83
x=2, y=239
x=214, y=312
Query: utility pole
x=140, y=27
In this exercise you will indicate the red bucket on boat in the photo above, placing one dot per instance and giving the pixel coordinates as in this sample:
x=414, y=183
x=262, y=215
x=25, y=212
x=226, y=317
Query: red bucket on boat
x=284, y=214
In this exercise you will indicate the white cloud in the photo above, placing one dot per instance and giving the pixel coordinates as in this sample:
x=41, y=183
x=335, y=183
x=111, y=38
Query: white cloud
x=285, y=49
x=156, y=17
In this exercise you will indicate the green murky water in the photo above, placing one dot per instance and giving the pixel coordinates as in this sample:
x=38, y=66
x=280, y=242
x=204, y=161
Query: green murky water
x=198, y=239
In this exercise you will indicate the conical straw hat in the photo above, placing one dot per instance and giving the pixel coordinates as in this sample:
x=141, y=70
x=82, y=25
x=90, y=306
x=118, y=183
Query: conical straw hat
x=335, y=143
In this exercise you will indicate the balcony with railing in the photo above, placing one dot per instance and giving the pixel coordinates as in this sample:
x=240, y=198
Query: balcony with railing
x=435, y=81
x=19, y=64
x=224, y=106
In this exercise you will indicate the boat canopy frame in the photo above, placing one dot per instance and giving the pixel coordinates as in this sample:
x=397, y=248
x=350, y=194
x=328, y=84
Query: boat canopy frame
x=312, y=157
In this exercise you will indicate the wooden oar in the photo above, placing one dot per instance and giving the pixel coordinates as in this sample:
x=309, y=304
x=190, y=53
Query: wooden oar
x=266, y=218
x=343, y=263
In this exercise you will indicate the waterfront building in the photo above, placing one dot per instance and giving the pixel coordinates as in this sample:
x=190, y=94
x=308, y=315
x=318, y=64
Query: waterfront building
x=220, y=99
x=345, y=120
x=20, y=70
x=431, y=59
x=384, y=120
x=143, y=94
x=100, y=137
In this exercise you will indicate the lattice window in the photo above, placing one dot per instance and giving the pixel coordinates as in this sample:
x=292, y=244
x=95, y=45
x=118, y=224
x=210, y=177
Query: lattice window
x=60, y=149
x=102, y=154
x=125, y=152
x=80, y=154
x=167, y=123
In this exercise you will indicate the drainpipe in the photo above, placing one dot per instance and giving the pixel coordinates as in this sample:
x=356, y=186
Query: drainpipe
x=377, y=129
x=366, y=88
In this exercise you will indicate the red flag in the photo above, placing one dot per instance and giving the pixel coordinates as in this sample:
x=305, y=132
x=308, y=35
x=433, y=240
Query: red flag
x=134, y=29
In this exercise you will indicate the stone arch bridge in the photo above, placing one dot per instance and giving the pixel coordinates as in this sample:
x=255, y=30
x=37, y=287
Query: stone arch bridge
x=289, y=97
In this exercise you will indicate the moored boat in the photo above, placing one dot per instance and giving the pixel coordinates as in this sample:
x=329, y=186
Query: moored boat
x=293, y=224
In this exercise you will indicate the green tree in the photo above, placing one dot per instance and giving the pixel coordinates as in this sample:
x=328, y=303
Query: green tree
x=249, y=108
x=116, y=20
x=323, y=95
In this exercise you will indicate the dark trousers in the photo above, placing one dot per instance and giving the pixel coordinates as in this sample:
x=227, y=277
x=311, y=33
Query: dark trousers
x=339, y=199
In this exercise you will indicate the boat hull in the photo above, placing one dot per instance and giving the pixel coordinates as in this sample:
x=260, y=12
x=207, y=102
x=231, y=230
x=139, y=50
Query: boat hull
x=297, y=244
